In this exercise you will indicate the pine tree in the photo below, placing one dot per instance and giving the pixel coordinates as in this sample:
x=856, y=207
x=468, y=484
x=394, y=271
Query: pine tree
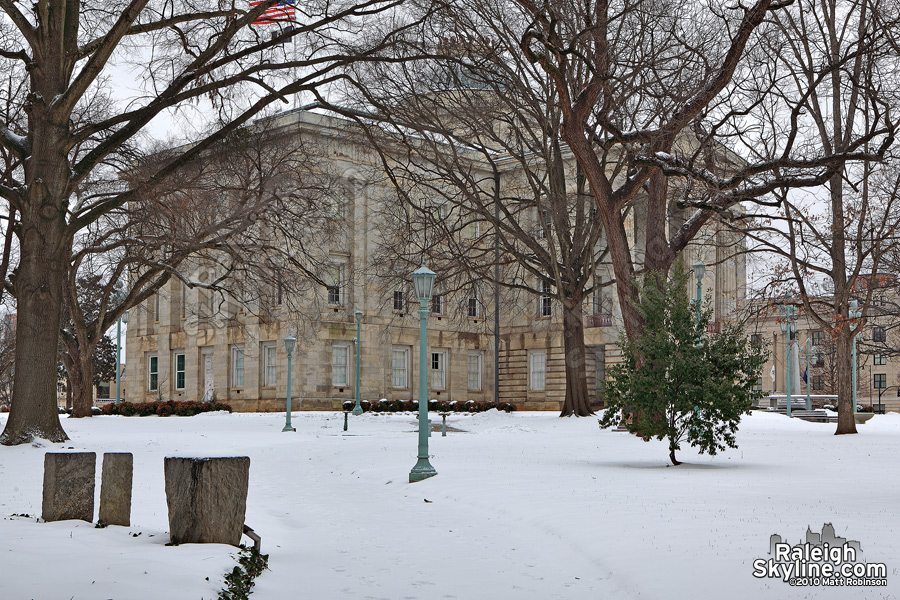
x=678, y=382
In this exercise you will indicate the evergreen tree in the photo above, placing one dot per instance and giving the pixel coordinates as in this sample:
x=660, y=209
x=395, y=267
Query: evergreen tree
x=677, y=382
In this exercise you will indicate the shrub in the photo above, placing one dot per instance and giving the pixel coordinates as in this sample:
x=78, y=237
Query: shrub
x=389, y=406
x=163, y=409
x=677, y=381
x=240, y=581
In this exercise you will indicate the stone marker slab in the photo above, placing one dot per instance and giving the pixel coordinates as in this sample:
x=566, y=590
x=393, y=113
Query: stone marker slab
x=207, y=499
x=69, y=486
x=115, y=488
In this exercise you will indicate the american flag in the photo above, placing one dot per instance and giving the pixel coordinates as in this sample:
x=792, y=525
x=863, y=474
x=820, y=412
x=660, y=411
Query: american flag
x=280, y=11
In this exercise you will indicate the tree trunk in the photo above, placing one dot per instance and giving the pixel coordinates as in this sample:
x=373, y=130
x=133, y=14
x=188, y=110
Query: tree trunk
x=675, y=462
x=843, y=357
x=45, y=247
x=658, y=256
x=80, y=368
x=38, y=283
x=576, y=402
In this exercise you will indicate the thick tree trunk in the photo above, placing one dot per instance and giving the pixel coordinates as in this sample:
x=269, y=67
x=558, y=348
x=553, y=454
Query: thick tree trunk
x=81, y=378
x=843, y=358
x=577, y=402
x=658, y=256
x=39, y=285
x=45, y=247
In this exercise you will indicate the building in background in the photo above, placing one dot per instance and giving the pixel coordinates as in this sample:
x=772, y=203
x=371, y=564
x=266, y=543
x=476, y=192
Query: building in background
x=878, y=346
x=186, y=343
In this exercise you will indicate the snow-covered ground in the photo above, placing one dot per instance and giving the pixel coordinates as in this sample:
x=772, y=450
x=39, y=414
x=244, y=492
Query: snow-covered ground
x=525, y=505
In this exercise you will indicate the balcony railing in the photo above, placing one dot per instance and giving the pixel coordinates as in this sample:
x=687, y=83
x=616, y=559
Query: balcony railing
x=598, y=321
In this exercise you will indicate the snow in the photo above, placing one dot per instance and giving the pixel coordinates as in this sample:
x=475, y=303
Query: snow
x=525, y=505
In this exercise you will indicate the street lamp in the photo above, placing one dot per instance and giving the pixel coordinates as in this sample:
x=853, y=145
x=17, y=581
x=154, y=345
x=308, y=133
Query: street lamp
x=880, y=408
x=357, y=410
x=119, y=321
x=423, y=282
x=289, y=343
x=699, y=270
x=854, y=313
x=787, y=325
x=810, y=352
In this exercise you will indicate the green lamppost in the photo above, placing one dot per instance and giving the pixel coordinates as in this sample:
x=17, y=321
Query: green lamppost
x=854, y=313
x=289, y=343
x=787, y=326
x=357, y=410
x=699, y=270
x=810, y=352
x=119, y=321
x=423, y=282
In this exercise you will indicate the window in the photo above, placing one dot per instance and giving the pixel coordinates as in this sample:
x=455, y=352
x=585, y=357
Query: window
x=878, y=334
x=756, y=341
x=475, y=230
x=474, y=371
x=439, y=211
x=438, y=370
x=757, y=384
x=399, y=303
x=818, y=360
x=270, y=372
x=178, y=360
x=598, y=296
x=879, y=359
x=545, y=302
x=473, y=307
x=437, y=304
x=152, y=372
x=208, y=295
x=336, y=285
x=879, y=381
x=537, y=363
x=184, y=299
x=399, y=368
x=156, y=306
x=340, y=364
x=818, y=338
x=818, y=383
x=545, y=224
x=237, y=366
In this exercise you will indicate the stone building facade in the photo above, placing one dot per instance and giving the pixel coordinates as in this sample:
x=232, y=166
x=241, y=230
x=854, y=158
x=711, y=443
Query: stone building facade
x=176, y=351
x=878, y=367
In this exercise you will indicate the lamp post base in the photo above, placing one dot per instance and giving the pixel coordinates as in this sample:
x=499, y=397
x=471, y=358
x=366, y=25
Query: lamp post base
x=289, y=428
x=357, y=410
x=422, y=470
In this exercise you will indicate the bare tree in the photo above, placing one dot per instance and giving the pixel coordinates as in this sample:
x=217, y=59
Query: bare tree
x=198, y=51
x=654, y=94
x=834, y=79
x=254, y=211
x=469, y=138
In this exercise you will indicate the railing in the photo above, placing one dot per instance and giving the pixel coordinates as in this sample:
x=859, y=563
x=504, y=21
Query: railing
x=598, y=321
